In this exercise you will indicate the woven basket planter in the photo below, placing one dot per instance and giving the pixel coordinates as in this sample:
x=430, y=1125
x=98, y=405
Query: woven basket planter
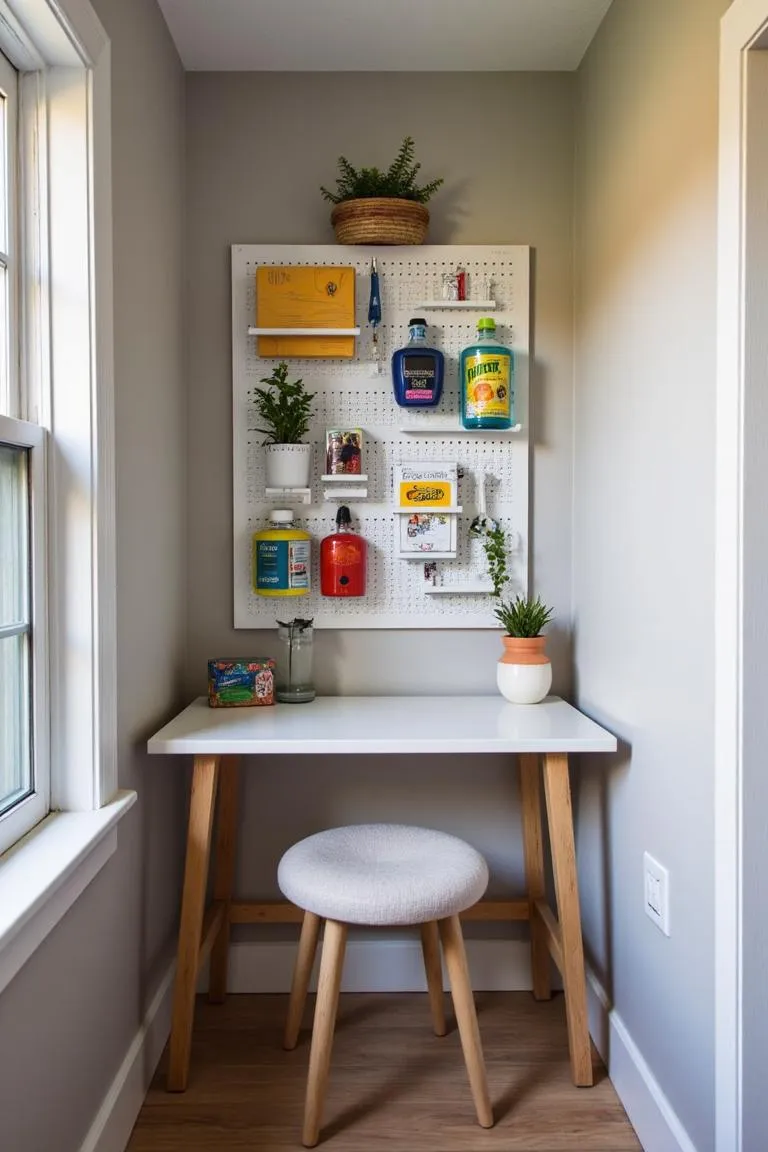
x=380, y=220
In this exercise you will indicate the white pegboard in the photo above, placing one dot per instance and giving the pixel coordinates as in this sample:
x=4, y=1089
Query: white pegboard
x=349, y=394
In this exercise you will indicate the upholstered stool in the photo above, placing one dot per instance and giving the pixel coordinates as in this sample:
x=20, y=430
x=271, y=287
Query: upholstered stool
x=387, y=875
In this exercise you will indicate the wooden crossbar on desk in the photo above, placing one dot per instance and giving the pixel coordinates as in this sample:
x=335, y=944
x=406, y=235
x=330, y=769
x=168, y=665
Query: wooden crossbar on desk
x=540, y=737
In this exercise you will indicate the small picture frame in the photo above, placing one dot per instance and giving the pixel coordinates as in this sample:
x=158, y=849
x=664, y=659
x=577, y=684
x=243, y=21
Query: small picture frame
x=344, y=452
x=425, y=532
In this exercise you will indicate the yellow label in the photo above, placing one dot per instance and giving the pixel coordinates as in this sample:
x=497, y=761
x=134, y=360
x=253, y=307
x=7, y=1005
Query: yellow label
x=435, y=493
x=487, y=385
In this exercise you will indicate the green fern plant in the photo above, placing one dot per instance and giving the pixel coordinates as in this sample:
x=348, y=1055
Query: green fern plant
x=399, y=180
x=283, y=407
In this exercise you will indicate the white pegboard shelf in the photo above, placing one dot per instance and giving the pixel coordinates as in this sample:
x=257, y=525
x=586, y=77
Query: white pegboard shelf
x=292, y=495
x=344, y=478
x=303, y=331
x=346, y=493
x=407, y=510
x=348, y=395
x=458, y=589
x=460, y=305
x=425, y=557
x=454, y=426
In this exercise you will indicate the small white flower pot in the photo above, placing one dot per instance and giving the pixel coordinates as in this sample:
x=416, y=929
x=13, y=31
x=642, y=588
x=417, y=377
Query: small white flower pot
x=524, y=673
x=288, y=465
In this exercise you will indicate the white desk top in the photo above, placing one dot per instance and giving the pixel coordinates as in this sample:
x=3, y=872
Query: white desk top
x=394, y=724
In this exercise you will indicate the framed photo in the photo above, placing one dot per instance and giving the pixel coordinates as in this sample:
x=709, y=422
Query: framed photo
x=344, y=451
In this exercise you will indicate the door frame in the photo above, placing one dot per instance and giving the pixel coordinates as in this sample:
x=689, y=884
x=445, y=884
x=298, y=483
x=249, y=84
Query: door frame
x=743, y=25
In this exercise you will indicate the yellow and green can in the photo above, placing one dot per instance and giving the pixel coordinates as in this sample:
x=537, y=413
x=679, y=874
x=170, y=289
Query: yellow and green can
x=281, y=557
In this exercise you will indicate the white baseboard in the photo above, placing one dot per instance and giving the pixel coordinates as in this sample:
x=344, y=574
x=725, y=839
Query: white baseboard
x=378, y=966
x=655, y=1121
x=112, y=1127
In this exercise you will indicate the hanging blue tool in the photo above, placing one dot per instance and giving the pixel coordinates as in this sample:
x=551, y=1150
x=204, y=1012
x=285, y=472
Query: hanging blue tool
x=374, y=313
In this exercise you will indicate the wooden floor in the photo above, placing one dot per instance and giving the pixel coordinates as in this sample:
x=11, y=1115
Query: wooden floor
x=394, y=1086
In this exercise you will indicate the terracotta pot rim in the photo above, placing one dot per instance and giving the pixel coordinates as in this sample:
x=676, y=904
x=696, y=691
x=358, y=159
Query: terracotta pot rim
x=525, y=641
x=524, y=650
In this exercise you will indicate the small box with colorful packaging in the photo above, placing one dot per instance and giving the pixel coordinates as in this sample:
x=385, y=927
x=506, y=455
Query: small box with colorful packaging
x=241, y=683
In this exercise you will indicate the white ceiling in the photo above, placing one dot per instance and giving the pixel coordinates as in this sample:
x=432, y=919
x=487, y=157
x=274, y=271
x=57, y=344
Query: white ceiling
x=382, y=35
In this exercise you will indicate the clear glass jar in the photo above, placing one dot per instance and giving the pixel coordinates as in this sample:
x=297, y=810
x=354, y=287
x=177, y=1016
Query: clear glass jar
x=293, y=666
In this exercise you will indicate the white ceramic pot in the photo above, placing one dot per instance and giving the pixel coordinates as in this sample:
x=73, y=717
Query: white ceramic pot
x=524, y=673
x=288, y=465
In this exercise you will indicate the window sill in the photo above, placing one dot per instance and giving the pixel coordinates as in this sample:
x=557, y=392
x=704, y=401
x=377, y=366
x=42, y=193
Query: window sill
x=43, y=875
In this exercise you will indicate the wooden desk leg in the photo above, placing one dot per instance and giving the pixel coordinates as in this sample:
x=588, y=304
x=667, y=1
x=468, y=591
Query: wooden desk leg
x=224, y=873
x=558, y=793
x=201, y=805
x=533, y=845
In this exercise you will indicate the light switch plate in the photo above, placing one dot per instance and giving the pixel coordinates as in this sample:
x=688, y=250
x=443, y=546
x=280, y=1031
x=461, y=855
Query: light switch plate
x=656, y=892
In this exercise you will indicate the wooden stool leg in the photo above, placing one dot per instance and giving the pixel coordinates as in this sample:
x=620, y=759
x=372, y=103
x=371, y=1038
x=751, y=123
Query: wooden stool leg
x=224, y=874
x=430, y=947
x=305, y=958
x=466, y=1018
x=201, y=807
x=530, y=795
x=331, y=963
x=558, y=793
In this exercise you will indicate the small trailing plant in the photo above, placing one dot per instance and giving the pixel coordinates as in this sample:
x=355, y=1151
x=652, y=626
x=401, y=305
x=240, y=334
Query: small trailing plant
x=399, y=180
x=283, y=407
x=523, y=616
x=495, y=546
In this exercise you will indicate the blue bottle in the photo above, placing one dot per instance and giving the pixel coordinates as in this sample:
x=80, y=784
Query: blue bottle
x=417, y=370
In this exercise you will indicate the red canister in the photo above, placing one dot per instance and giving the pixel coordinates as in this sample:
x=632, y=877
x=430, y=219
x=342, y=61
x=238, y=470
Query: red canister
x=343, y=557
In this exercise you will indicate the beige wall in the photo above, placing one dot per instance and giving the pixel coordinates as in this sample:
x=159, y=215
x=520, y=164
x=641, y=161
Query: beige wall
x=258, y=146
x=67, y=1019
x=646, y=230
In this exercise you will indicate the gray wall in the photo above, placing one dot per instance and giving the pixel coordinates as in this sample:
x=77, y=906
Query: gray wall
x=646, y=232
x=69, y=1016
x=258, y=146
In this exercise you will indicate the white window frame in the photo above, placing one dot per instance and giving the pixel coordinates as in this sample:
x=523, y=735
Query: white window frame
x=63, y=53
x=9, y=82
x=29, y=811
x=15, y=431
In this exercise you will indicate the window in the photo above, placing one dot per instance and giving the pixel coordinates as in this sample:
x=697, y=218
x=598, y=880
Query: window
x=24, y=778
x=58, y=703
x=9, y=103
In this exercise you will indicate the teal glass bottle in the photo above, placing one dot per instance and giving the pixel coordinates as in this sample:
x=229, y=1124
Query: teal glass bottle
x=487, y=381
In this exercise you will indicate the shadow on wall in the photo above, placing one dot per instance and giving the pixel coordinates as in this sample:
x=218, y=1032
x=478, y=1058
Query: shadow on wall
x=642, y=179
x=590, y=785
x=162, y=783
x=448, y=212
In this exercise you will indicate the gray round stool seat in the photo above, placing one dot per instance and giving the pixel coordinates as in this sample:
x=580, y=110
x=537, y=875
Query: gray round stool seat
x=385, y=874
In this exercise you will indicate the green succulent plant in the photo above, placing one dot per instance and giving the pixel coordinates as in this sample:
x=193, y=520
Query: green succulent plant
x=283, y=407
x=399, y=180
x=523, y=616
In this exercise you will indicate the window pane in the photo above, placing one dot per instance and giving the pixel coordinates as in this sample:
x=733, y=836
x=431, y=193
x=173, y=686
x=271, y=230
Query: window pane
x=3, y=172
x=5, y=380
x=14, y=536
x=5, y=384
x=15, y=684
x=15, y=762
